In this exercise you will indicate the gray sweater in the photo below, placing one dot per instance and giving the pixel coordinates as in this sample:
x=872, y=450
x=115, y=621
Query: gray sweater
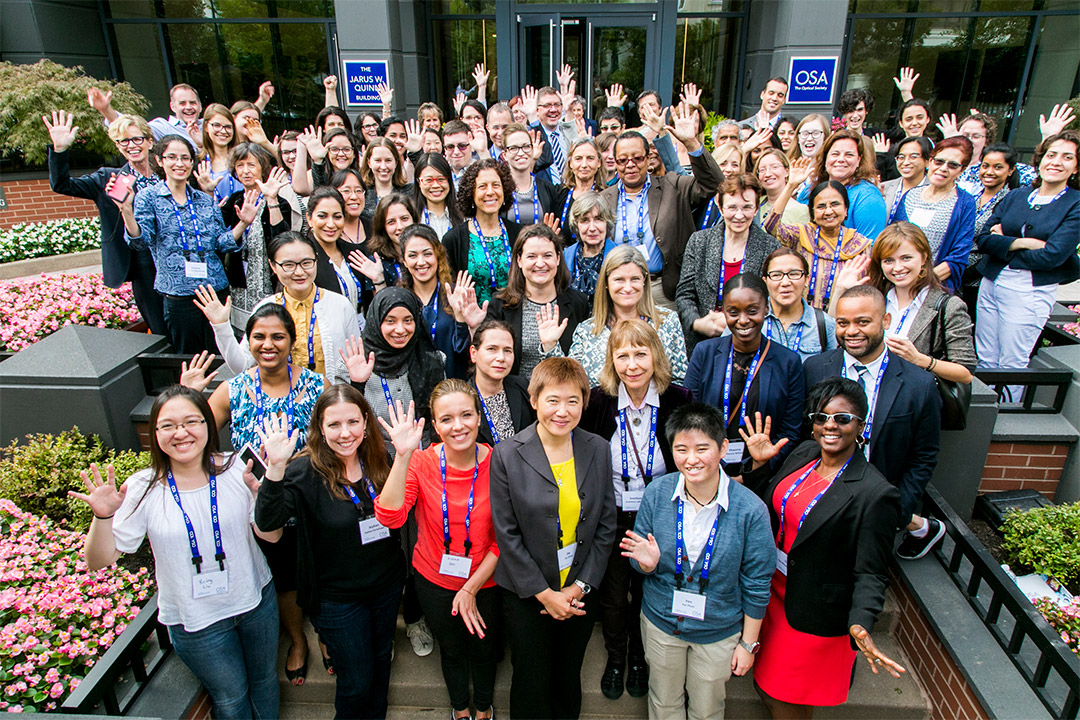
x=955, y=344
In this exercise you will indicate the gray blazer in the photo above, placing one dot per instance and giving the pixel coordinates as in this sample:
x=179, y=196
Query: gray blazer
x=523, y=511
x=956, y=344
x=699, y=281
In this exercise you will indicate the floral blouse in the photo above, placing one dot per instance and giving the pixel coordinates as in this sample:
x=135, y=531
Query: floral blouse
x=591, y=350
x=244, y=412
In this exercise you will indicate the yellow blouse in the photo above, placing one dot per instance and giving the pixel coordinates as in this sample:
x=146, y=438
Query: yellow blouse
x=300, y=311
x=569, y=506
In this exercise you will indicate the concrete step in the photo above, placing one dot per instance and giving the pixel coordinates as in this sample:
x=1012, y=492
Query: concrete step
x=417, y=689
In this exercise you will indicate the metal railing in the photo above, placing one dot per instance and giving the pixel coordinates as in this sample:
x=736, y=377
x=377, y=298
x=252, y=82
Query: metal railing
x=102, y=685
x=1031, y=643
x=1030, y=379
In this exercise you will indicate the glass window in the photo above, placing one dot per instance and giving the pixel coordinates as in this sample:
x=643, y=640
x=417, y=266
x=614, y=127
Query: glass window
x=457, y=46
x=305, y=9
x=138, y=48
x=1054, y=78
x=463, y=7
x=707, y=53
x=249, y=59
x=875, y=60
x=188, y=9
x=130, y=9
x=195, y=60
x=618, y=57
x=234, y=9
x=304, y=62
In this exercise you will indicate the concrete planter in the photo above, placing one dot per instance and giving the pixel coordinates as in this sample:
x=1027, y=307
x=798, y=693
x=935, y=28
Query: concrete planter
x=51, y=264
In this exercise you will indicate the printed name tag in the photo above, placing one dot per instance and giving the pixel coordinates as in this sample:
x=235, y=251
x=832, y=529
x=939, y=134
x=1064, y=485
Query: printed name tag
x=371, y=530
x=631, y=500
x=455, y=566
x=195, y=270
x=922, y=216
x=781, y=561
x=566, y=556
x=205, y=584
x=688, y=604
x=735, y=450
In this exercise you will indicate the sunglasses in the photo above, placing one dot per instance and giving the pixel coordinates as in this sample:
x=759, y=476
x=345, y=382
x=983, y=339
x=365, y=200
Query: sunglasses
x=842, y=419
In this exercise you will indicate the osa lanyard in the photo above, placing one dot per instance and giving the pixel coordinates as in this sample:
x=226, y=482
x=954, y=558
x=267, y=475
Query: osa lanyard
x=903, y=317
x=260, y=400
x=794, y=347
x=310, y=328
x=705, y=221
x=219, y=551
x=720, y=280
x=487, y=417
x=535, y=204
x=897, y=199
x=643, y=206
x=810, y=506
x=435, y=315
x=566, y=210
x=750, y=374
x=445, y=506
x=386, y=394
x=194, y=223
x=356, y=500
x=1037, y=206
x=832, y=271
x=487, y=255
x=680, y=549
x=872, y=401
x=646, y=471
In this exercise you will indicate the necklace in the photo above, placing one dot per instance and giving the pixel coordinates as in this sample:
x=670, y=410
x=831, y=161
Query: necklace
x=702, y=504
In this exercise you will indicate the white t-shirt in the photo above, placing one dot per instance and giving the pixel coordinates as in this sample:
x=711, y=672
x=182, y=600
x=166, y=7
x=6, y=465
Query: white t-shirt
x=159, y=518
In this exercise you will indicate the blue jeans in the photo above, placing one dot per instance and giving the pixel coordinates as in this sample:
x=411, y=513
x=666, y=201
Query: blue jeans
x=235, y=659
x=359, y=637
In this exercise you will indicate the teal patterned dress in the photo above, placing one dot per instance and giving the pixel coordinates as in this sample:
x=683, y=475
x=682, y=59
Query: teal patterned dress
x=242, y=406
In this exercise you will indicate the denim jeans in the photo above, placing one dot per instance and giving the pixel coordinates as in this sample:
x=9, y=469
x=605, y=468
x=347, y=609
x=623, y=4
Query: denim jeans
x=359, y=637
x=235, y=659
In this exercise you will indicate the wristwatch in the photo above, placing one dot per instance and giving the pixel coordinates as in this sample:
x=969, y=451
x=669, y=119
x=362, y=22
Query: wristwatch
x=751, y=648
x=585, y=587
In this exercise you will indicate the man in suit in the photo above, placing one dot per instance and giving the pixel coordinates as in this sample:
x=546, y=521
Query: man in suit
x=772, y=100
x=903, y=432
x=656, y=214
x=556, y=130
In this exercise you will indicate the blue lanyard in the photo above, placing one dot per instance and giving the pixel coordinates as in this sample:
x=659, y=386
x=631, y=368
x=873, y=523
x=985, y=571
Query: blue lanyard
x=345, y=285
x=903, y=317
x=897, y=199
x=872, y=403
x=1035, y=193
x=468, y=508
x=566, y=210
x=750, y=373
x=356, y=500
x=642, y=209
x=310, y=328
x=219, y=551
x=794, y=347
x=535, y=204
x=487, y=255
x=260, y=400
x=832, y=271
x=705, y=224
x=810, y=506
x=487, y=417
x=646, y=472
x=680, y=549
x=386, y=394
x=194, y=223
x=720, y=281
x=435, y=316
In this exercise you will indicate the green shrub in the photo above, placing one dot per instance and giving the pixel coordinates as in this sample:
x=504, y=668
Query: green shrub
x=710, y=123
x=55, y=237
x=1046, y=539
x=37, y=473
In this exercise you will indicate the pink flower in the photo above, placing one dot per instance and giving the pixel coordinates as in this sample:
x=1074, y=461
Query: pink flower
x=56, y=690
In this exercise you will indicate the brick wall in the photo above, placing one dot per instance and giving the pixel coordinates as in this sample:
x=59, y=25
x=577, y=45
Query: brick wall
x=33, y=201
x=200, y=709
x=945, y=685
x=1024, y=466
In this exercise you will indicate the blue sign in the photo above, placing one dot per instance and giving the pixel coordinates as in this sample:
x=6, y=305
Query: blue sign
x=362, y=77
x=811, y=80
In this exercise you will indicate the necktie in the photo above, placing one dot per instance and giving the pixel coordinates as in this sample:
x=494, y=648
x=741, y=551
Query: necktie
x=864, y=373
x=559, y=166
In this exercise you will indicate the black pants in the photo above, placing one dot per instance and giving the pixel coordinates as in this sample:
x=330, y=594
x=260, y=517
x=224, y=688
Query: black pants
x=546, y=655
x=141, y=273
x=461, y=652
x=620, y=601
x=411, y=612
x=189, y=329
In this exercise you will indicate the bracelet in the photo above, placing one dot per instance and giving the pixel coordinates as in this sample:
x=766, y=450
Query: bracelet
x=110, y=517
x=467, y=591
x=933, y=362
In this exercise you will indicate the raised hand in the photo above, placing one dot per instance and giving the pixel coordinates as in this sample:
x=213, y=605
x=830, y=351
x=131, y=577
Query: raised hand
x=651, y=119
x=855, y=272
x=564, y=76
x=100, y=100
x=405, y=431
x=615, y=96
x=311, y=139
x=459, y=102
x=479, y=142
x=371, y=268
x=690, y=94
x=386, y=93
x=278, y=444
x=529, y=99
x=255, y=133
x=875, y=657
x=537, y=144
x=248, y=210
x=757, y=138
x=61, y=131
x=207, y=301
x=800, y=171
x=101, y=495
x=466, y=309
x=266, y=91
x=552, y=221
x=1059, y=119
x=583, y=130
x=758, y=442
x=881, y=143
x=906, y=82
x=713, y=324
x=947, y=126
x=645, y=550
x=204, y=175
x=330, y=83
x=270, y=188
x=414, y=135
x=194, y=375
x=359, y=368
x=548, y=326
x=480, y=74
x=568, y=96
x=685, y=127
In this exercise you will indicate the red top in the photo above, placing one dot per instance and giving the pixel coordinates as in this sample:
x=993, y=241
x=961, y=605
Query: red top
x=423, y=488
x=731, y=269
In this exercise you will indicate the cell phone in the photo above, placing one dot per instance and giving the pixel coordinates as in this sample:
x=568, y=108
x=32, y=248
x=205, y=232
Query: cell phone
x=121, y=188
x=258, y=467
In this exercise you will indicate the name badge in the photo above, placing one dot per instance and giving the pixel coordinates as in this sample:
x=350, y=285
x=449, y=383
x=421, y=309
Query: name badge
x=207, y=584
x=566, y=556
x=922, y=216
x=371, y=530
x=195, y=270
x=735, y=450
x=455, y=566
x=688, y=604
x=781, y=561
x=631, y=500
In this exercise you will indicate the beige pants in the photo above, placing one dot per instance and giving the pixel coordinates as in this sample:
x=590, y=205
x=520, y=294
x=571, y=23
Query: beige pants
x=659, y=297
x=678, y=668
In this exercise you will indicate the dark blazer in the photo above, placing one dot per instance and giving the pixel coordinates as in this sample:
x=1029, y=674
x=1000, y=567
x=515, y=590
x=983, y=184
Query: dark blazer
x=521, y=412
x=600, y=416
x=456, y=242
x=546, y=192
x=838, y=564
x=524, y=511
x=1057, y=223
x=325, y=275
x=781, y=389
x=906, y=434
x=572, y=304
x=230, y=213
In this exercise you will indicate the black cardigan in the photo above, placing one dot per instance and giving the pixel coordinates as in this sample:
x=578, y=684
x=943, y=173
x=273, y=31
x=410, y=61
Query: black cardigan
x=521, y=411
x=456, y=242
x=326, y=276
x=572, y=304
x=230, y=213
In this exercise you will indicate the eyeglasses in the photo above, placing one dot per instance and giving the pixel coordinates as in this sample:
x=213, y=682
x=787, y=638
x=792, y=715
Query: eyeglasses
x=339, y=151
x=951, y=164
x=548, y=106
x=290, y=266
x=460, y=147
x=811, y=133
x=430, y=181
x=169, y=428
x=289, y=152
x=842, y=419
x=636, y=160
x=974, y=136
x=370, y=126
x=778, y=275
x=176, y=158
x=514, y=149
x=901, y=157
x=216, y=126
x=125, y=142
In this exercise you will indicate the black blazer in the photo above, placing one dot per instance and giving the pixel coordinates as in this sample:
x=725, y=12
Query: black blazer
x=572, y=304
x=838, y=564
x=906, y=434
x=230, y=213
x=524, y=510
x=456, y=242
x=600, y=416
x=521, y=412
x=325, y=275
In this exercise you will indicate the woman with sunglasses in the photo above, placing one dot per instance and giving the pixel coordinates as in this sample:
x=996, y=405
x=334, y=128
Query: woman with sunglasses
x=945, y=214
x=843, y=513
x=911, y=156
x=434, y=195
x=504, y=398
x=791, y=320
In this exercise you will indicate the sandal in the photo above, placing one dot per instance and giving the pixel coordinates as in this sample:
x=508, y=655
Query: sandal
x=328, y=664
x=297, y=676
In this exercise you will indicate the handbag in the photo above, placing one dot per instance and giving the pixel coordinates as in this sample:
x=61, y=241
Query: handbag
x=955, y=396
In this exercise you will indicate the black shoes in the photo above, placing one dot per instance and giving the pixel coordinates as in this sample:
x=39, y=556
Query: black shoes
x=611, y=684
x=913, y=548
x=637, y=678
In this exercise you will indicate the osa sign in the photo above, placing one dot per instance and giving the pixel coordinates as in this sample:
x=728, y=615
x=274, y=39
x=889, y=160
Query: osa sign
x=812, y=80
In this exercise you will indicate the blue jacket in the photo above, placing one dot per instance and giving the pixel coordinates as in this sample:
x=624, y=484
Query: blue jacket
x=740, y=571
x=1057, y=223
x=866, y=207
x=959, y=235
x=570, y=253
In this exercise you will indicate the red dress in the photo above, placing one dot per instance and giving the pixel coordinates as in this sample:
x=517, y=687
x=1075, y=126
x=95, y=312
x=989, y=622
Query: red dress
x=793, y=666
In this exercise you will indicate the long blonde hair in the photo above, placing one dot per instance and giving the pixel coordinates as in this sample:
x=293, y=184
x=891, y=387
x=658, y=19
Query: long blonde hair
x=603, y=309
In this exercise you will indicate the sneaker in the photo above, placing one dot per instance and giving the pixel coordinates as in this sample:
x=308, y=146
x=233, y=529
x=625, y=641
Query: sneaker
x=913, y=548
x=420, y=637
x=611, y=683
x=637, y=678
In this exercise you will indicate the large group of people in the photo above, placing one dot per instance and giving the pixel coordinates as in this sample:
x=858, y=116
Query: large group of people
x=515, y=372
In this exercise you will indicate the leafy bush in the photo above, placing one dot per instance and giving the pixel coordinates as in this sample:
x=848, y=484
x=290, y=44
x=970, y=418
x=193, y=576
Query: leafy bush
x=1046, y=539
x=56, y=617
x=1065, y=619
x=711, y=122
x=56, y=237
x=38, y=473
x=29, y=91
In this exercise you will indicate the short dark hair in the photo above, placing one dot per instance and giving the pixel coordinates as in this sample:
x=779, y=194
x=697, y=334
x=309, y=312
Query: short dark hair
x=328, y=191
x=748, y=281
x=865, y=291
x=822, y=187
x=697, y=416
x=1008, y=152
x=612, y=112
x=820, y=394
x=915, y=102
x=475, y=105
x=489, y=324
x=646, y=93
x=456, y=126
x=851, y=99
x=162, y=145
x=385, y=124
x=466, y=201
x=959, y=142
x=777, y=79
x=632, y=135
x=244, y=150
x=780, y=252
x=1070, y=136
x=272, y=310
x=925, y=146
x=287, y=238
